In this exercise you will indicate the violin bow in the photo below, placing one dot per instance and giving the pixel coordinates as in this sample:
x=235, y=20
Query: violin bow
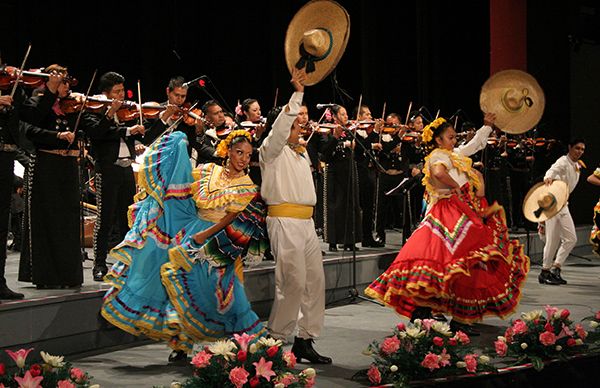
x=437, y=114
x=14, y=89
x=171, y=127
x=408, y=113
x=87, y=94
x=383, y=118
x=276, y=95
x=140, y=101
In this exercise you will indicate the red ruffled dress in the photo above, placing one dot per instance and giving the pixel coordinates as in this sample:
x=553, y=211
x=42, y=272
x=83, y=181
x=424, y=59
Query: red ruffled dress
x=460, y=260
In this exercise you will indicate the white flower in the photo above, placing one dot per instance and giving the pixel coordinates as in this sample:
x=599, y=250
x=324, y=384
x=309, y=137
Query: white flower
x=532, y=315
x=175, y=384
x=267, y=342
x=279, y=385
x=252, y=348
x=484, y=359
x=415, y=332
x=578, y=341
x=593, y=324
x=524, y=346
x=367, y=352
x=461, y=364
x=558, y=348
x=53, y=361
x=309, y=373
x=393, y=368
x=223, y=348
x=501, y=338
x=95, y=386
x=442, y=328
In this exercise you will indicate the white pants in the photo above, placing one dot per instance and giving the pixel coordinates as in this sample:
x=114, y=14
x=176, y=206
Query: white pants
x=299, y=278
x=560, y=238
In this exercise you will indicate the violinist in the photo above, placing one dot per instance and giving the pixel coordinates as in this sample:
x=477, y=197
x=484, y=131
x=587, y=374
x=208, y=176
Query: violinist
x=213, y=131
x=367, y=173
x=341, y=203
x=249, y=115
x=52, y=256
x=176, y=92
x=395, y=169
x=520, y=163
x=415, y=154
x=496, y=172
x=113, y=145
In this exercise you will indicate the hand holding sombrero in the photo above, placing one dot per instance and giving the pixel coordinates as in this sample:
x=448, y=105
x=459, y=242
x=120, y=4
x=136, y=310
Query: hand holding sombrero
x=516, y=98
x=316, y=39
x=543, y=201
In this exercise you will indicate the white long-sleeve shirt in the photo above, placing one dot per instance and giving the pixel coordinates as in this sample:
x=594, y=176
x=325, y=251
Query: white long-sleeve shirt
x=566, y=170
x=286, y=175
x=477, y=143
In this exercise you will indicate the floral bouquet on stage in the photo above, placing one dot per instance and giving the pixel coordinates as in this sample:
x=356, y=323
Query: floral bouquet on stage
x=52, y=372
x=537, y=338
x=241, y=362
x=594, y=333
x=425, y=349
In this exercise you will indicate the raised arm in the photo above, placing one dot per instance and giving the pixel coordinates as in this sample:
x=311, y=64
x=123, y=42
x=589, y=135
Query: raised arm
x=479, y=141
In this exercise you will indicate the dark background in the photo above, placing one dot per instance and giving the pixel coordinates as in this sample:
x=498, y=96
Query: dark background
x=433, y=53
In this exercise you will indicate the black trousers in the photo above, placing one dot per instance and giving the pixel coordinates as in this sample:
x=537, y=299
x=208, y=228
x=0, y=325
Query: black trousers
x=6, y=184
x=115, y=188
x=366, y=198
x=389, y=207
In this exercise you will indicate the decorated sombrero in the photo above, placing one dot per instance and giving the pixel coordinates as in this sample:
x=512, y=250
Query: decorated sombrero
x=316, y=39
x=516, y=98
x=545, y=201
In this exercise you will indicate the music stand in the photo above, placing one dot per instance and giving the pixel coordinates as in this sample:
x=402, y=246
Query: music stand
x=404, y=188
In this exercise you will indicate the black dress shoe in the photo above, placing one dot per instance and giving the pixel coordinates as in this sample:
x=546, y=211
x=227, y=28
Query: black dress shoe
x=467, y=329
x=421, y=313
x=332, y=248
x=556, y=272
x=440, y=317
x=99, y=272
x=373, y=244
x=303, y=349
x=7, y=293
x=547, y=277
x=177, y=356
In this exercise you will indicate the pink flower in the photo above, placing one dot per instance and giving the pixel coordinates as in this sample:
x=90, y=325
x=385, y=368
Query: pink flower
x=2, y=369
x=444, y=358
x=65, y=384
x=508, y=334
x=201, y=359
x=238, y=376
x=19, y=356
x=272, y=351
x=519, y=327
x=310, y=382
x=438, y=341
x=263, y=368
x=571, y=342
x=401, y=326
x=328, y=115
x=547, y=338
x=471, y=361
x=427, y=323
x=286, y=379
x=565, y=314
x=243, y=340
x=462, y=337
x=374, y=375
x=431, y=361
x=501, y=348
x=36, y=370
x=550, y=311
x=390, y=345
x=28, y=381
x=548, y=327
x=242, y=355
x=565, y=332
x=290, y=359
x=580, y=331
x=78, y=375
x=452, y=341
x=597, y=316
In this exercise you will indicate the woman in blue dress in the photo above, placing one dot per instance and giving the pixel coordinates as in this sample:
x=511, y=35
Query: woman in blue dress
x=178, y=275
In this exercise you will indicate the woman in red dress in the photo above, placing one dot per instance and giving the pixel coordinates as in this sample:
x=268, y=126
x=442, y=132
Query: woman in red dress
x=459, y=261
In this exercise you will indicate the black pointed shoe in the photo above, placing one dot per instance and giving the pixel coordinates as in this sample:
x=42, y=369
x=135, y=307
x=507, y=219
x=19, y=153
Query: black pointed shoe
x=303, y=349
x=333, y=248
x=99, y=271
x=556, y=272
x=420, y=313
x=547, y=277
x=7, y=293
x=177, y=356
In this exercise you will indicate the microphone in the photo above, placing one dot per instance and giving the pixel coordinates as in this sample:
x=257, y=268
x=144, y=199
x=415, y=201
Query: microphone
x=323, y=106
x=193, y=82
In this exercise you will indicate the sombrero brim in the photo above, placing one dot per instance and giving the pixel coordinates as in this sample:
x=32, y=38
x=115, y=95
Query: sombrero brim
x=325, y=14
x=559, y=189
x=493, y=91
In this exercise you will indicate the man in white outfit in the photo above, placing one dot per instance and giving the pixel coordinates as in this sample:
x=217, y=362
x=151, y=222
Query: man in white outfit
x=289, y=192
x=560, y=235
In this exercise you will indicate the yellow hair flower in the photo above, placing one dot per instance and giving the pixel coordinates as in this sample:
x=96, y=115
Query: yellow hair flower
x=223, y=146
x=427, y=135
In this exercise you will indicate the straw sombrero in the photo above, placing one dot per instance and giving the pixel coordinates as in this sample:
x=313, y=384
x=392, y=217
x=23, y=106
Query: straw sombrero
x=316, y=39
x=544, y=201
x=516, y=98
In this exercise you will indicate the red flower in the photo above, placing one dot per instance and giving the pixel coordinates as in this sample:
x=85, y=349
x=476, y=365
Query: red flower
x=597, y=316
x=547, y=338
x=390, y=345
x=254, y=381
x=35, y=370
x=565, y=314
x=452, y=341
x=431, y=361
x=471, y=362
x=401, y=326
x=548, y=327
x=438, y=341
x=242, y=355
x=374, y=375
x=501, y=348
x=272, y=351
x=2, y=369
x=571, y=342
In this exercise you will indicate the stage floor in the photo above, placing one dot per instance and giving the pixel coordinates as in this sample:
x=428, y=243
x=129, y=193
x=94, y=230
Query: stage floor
x=349, y=327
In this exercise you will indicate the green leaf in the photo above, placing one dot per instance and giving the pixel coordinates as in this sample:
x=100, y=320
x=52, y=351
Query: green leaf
x=537, y=363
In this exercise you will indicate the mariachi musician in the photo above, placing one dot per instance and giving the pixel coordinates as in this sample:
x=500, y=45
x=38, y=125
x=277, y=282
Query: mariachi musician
x=214, y=128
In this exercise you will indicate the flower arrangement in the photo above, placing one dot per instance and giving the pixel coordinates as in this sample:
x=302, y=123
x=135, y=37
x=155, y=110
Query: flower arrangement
x=537, y=338
x=243, y=362
x=51, y=373
x=425, y=349
x=594, y=333
x=224, y=144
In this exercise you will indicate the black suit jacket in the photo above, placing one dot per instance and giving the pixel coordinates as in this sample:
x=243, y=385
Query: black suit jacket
x=105, y=137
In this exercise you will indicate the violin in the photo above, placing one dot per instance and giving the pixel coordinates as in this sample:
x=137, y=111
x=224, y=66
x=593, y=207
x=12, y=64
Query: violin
x=311, y=126
x=393, y=128
x=32, y=78
x=411, y=137
x=190, y=115
x=128, y=111
x=253, y=124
